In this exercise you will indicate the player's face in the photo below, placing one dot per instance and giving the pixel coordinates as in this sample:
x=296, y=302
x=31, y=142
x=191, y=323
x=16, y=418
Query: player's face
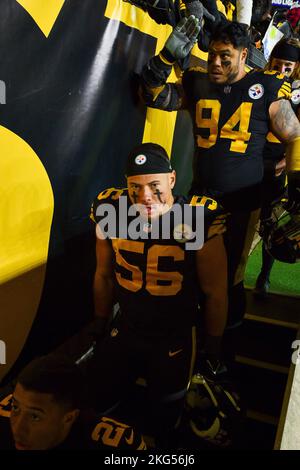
x=152, y=193
x=225, y=64
x=283, y=66
x=37, y=422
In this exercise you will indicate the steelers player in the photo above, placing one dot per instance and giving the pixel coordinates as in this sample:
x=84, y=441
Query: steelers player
x=232, y=112
x=44, y=411
x=153, y=270
x=285, y=59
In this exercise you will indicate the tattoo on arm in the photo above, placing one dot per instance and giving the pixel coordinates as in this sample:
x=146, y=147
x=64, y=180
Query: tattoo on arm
x=284, y=122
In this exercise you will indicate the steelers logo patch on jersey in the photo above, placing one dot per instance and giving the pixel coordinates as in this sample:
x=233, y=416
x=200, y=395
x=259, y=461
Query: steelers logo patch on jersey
x=295, y=96
x=140, y=159
x=147, y=227
x=183, y=233
x=256, y=91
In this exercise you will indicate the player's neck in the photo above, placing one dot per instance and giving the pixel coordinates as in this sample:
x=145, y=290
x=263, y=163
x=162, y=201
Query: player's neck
x=241, y=74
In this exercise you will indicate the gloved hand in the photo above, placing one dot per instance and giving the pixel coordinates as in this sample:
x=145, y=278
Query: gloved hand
x=97, y=328
x=83, y=342
x=182, y=39
x=195, y=7
x=293, y=204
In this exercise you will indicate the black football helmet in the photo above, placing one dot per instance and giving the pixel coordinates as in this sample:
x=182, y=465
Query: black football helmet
x=282, y=240
x=213, y=411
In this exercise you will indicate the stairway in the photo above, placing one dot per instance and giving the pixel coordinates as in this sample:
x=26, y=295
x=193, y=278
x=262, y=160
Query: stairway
x=261, y=368
x=262, y=364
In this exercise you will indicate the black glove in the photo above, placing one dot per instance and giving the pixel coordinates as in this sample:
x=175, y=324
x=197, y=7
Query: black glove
x=195, y=7
x=82, y=342
x=293, y=204
x=182, y=39
x=97, y=328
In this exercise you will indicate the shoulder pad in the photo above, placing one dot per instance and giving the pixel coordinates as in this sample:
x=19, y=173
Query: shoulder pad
x=204, y=201
x=112, y=433
x=277, y=83
x=5, y=405
x=272, y=73
x=108, y=196
x=215, y=218
x=201, y=73
x=111, y=193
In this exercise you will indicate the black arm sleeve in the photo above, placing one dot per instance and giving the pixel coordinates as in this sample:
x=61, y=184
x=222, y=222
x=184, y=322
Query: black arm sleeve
x=155, y=92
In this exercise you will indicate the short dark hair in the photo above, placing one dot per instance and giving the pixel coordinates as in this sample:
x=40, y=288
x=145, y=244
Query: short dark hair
x=56, y=375
x=232, y=32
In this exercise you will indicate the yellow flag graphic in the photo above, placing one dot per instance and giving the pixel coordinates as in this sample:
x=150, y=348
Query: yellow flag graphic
x=26, y=211
x=44, y=12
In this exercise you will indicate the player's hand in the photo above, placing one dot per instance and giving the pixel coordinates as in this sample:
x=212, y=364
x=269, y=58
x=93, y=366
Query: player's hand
x=97, y=328
x=280, y=166
x=293, y=204
x=182, y=39
x=195, y=7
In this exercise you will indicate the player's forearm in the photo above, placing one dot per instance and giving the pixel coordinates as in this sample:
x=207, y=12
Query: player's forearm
x=216, y=313
x=103, y=295
x=154, y=89
x=244, y=11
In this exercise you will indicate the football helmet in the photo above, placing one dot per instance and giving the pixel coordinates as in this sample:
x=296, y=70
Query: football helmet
x=282, y=240
x=213, y=411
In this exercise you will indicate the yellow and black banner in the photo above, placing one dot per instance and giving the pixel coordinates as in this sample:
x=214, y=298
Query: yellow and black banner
x=69, y=116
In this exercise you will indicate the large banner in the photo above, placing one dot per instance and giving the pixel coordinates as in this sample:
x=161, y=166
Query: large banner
x=284, y=3
x=69, y=115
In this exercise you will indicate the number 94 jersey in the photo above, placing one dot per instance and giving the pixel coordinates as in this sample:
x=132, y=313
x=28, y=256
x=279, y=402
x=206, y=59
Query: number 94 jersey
x=230, y=127
x=156, y=282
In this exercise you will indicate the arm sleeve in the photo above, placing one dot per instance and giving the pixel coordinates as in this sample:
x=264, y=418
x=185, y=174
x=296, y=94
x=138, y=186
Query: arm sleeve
x=244, y=11
x=155, y=92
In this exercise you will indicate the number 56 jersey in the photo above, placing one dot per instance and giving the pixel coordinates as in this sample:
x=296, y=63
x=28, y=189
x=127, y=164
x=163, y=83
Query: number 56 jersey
x=155, y=276
x=230, y=127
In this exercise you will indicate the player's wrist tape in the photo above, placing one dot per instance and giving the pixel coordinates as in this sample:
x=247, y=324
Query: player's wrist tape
x=166, y=57
x=293, y=155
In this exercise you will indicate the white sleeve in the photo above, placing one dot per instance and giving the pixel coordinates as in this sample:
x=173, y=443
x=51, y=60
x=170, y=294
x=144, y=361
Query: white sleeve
x=244, y=11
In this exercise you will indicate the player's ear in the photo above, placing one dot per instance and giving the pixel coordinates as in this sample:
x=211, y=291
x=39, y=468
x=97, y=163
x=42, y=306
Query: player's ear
x=244, y=53
x=172, y=179
x=71, y=416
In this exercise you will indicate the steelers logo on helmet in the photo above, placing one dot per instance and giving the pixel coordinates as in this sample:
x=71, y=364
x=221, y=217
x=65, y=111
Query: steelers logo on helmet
x=140, y=159
x=256, y=91
x=183, y=233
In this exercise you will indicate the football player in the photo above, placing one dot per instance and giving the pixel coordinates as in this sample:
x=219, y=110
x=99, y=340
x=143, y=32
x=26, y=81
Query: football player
x=284, y=59
x=152, y=268
x=44, y=411
x=232, y=112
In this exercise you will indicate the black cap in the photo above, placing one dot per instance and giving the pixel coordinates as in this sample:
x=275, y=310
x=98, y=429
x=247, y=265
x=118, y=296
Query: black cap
x=286, y=51
x=147, y=159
